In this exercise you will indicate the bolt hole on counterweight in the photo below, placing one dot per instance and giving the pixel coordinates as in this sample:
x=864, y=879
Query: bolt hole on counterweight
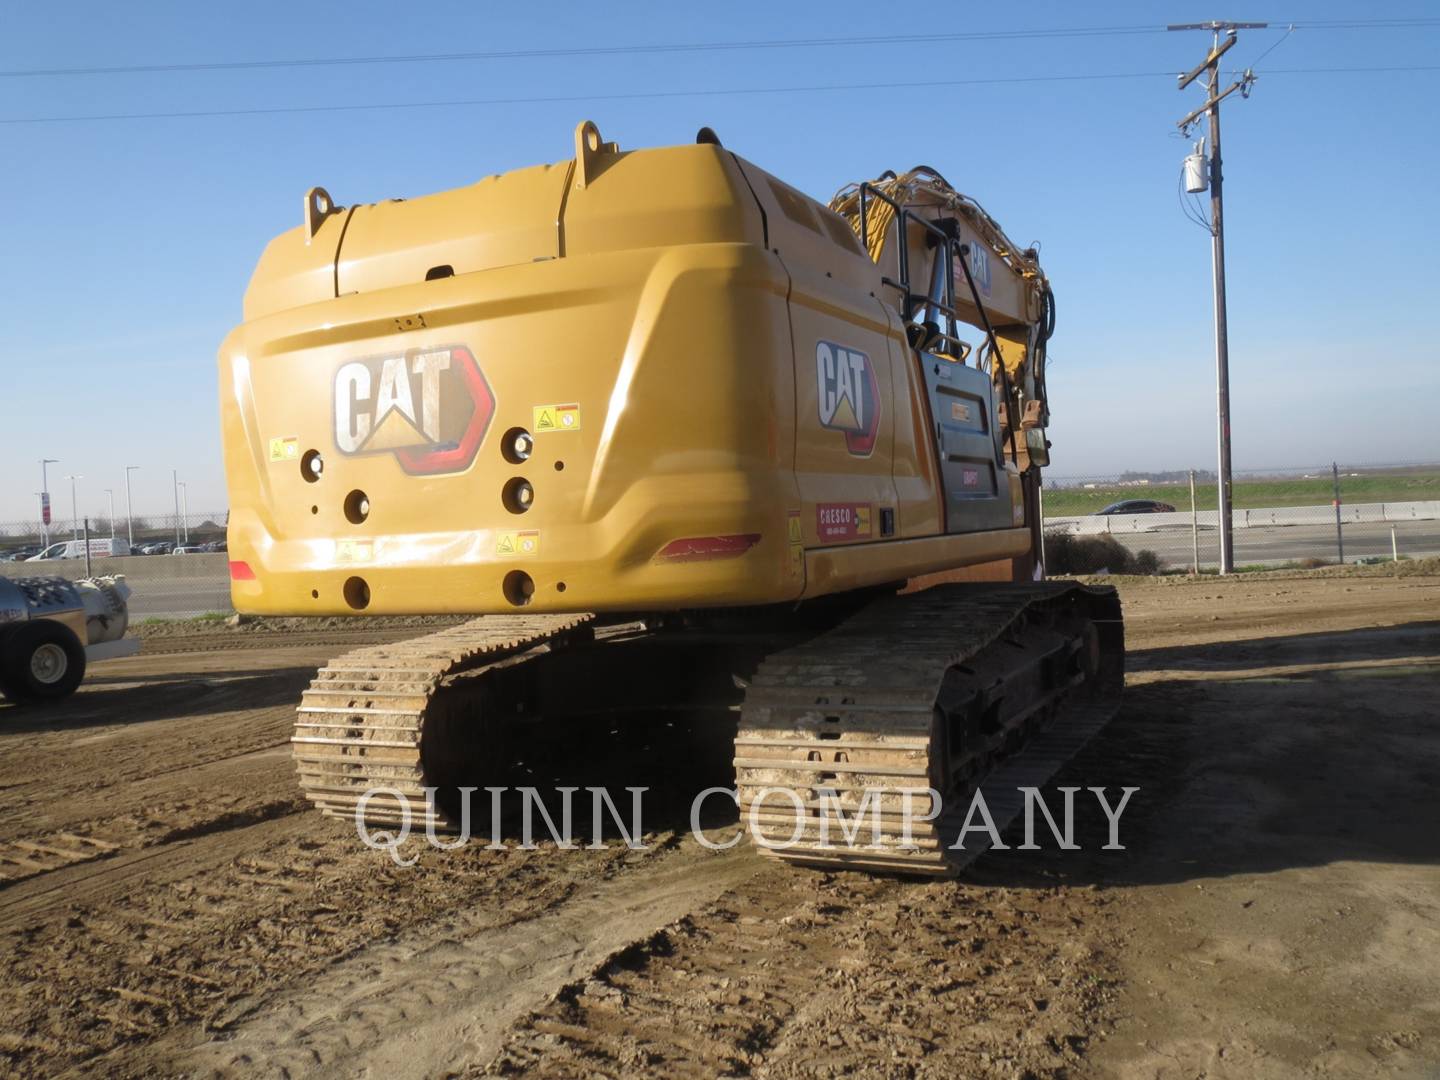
x=357, y=507
x=518, y=588
x=517, y=446
x=312, y=464
x=518, y=496
x=357, y=593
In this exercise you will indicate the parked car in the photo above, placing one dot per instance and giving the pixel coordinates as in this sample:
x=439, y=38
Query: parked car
x=188, y=549
x=1137, y=506
x=105, y=548
x=19, y=554
x=215, y=545
x=159, y=547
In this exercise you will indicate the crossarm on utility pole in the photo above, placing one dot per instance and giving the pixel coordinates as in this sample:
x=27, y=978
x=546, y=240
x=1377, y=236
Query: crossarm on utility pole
x=1215, y=54
x=1195, y=114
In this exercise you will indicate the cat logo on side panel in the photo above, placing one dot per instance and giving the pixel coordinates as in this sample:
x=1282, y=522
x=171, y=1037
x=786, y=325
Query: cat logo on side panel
x=848, y=397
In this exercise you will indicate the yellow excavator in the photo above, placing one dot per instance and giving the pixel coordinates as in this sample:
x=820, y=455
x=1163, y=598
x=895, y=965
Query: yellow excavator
x=656, y=417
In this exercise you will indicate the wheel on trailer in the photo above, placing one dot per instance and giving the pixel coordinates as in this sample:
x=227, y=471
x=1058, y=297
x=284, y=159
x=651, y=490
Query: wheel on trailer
x=41, y=660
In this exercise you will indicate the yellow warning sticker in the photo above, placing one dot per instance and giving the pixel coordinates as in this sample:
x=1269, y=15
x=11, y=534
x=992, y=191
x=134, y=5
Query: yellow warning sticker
x=862, y=520
x=796, y=536
x=797, y=558
x=556, y=418
x=518, y=543
x=284, y=449
x=354, y=550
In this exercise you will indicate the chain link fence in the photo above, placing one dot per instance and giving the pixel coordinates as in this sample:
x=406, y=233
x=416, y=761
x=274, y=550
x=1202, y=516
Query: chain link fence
x=163, y=584
x=195, y=529
x=1299, y=516
x=1126, y=523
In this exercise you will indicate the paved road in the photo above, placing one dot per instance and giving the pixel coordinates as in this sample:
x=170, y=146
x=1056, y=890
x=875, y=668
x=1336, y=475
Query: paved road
x=1286, y=543
x=172, y=598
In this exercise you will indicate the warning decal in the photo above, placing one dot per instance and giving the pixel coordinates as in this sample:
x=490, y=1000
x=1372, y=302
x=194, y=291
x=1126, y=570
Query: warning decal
x=843, y=521
x=284, y=449
x=518, y=543
x=354, y=551
x=556, y=418
x=796, y=537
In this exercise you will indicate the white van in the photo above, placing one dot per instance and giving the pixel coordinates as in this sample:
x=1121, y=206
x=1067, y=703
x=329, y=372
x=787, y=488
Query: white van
x=106, y=548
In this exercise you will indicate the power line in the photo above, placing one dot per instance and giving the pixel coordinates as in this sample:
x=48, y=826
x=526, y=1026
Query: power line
x=647, y=95
x=1358, y=24
x=601, y=50
x=567, y=98
x=1348, y=70
x=1273, y=46
x=684, y=47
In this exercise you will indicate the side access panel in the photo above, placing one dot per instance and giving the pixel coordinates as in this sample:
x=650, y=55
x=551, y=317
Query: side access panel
x=844, y=419
x=972, y=470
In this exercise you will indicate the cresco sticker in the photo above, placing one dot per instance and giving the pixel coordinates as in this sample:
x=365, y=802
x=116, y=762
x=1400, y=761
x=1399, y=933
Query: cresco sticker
x=842, y=521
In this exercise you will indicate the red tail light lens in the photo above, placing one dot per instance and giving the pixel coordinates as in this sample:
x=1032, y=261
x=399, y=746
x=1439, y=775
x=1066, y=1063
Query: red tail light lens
x=696, y=548
x=240, y=571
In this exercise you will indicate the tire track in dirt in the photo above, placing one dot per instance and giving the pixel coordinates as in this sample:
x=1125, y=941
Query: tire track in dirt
x=116, y=966
x=432, y=1000
x=792, y=974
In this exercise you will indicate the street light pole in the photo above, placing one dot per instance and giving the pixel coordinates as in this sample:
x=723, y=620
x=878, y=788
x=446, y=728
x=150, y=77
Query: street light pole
x=111, y=492
x=45, y=499
x=175, y=490
x=185, y=510
x=74, y=506
x=129, y=518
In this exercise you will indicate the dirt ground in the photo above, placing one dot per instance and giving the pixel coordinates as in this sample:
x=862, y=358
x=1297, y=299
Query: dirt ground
x=169, y=907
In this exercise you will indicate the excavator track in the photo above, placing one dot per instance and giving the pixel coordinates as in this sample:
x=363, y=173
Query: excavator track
x=362, y=723
x=944, y=691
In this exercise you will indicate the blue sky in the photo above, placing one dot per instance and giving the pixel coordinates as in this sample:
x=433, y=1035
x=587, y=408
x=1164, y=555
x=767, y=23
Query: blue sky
x=125, y=245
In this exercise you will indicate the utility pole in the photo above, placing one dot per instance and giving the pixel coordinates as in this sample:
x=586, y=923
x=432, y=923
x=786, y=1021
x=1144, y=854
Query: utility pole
x=129, y=518
x=74, y=506
x=45, y=463
x=1214, y=95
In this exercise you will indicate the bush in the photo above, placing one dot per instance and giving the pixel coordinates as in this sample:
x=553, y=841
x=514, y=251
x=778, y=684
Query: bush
x=1066, y=553
x=1145, y=562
